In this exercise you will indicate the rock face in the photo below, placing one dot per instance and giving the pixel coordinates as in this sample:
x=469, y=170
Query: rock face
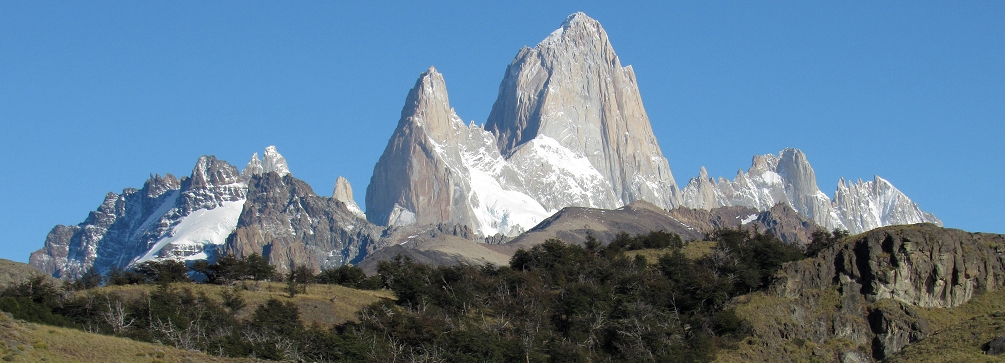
x=187, y=219
x=284, y=221
x=343, y=193
x=868, y=289
x=167, y=218
x=921, y=265
x=435, y=170
x=789, y=178
x=572, y=88
x=273, y=162
x=866, y=205
x=568, y=129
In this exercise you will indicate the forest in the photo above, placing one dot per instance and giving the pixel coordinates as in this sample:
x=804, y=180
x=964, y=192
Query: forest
x=555, y=302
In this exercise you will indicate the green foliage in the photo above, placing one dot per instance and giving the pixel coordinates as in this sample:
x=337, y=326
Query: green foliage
x=298, y=279
x=88, y=280
x=259, y=267
x=653, y=240
x=823, y=240
x=162, y=272
x=349, y=276
x=124, y=277
x=34, y=300
x=755, y=257
x=232, y=299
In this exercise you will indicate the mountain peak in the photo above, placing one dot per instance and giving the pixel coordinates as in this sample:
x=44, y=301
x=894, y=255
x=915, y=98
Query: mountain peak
x=428, y=107
x=271, y=161
x=576, y=28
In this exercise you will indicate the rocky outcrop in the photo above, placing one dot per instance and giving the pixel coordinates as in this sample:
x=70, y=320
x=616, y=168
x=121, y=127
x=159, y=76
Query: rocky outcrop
x=285, y=221
x=866, y=294
x=343, y=193
x=571, y=88
x=789, y=178
x=435, y=169
x=921, y=265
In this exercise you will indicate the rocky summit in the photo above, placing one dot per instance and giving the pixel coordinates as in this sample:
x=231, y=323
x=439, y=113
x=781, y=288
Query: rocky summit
x=568, y=129
x=789, y=178
x=215, y=209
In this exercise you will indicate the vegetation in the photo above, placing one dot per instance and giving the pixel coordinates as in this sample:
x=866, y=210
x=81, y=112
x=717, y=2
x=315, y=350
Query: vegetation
x=823, y=240
x=960, y=332
x=555, y=302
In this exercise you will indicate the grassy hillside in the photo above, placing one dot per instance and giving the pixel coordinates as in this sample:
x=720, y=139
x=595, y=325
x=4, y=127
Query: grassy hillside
x=27, y=342
x=960, y=332
x=693, y=250
x=15, y=272
x=326, y=305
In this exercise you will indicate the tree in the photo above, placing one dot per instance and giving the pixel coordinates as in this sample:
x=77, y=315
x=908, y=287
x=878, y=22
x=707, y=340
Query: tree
x=823, y=240
x=163, y=272
x=259, y=267
x=298, y=279
x=88, y=280
x=345, y=275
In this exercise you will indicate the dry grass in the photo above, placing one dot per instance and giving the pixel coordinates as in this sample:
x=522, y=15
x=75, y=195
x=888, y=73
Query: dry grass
x=693, y=250
x=326, y=305
x=769, y=315
x=960, y=332
x=27, y=342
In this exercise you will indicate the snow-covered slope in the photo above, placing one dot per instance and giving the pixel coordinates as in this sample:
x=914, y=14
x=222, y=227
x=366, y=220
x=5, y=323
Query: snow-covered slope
x=789, y=178
x=185, y=219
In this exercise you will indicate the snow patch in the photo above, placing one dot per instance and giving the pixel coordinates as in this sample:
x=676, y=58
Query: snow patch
x=198, y=229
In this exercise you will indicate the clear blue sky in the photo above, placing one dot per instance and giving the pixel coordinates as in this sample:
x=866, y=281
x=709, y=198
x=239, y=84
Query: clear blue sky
x=95, y=96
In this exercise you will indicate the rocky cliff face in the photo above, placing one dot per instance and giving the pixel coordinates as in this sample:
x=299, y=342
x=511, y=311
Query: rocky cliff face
x=866, y=294
x=215, y=210
x=789, y=178
x=863, y=206
x=343, y=193
x=187, y=219
x=571, y=88
x=167, y=218
x=287, y=223
x=568, y=129
x=436, y=169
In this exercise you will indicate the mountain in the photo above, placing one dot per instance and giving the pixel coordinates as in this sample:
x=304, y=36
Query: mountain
x=554, y=139
x=167, y=218
x=193, y=218
x=567, y=134
x=572, y=90
x=284, y=221
x=789, y=178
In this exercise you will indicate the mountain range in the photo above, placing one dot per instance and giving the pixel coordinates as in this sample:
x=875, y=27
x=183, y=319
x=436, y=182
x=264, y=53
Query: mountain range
x=567, y=140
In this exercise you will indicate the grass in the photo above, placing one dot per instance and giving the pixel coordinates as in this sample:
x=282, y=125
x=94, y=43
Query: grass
x=325, y=305
x=959, y=332
x=27, y=342
x=693, y=250
x=769, y=315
